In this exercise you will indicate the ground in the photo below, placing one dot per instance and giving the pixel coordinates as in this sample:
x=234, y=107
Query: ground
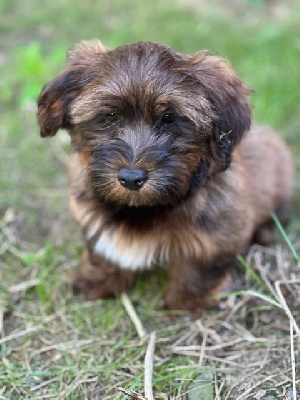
x=53, y=345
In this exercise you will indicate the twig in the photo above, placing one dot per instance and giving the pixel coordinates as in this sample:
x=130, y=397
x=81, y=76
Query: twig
x=133, y=395
x=141, y=331
x=149, y=366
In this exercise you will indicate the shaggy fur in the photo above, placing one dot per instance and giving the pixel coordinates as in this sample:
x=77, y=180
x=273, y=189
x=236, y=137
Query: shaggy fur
x=201, y=184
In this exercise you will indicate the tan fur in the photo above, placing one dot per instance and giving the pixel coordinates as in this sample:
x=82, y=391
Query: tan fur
x=205, y=199
x=248, y=189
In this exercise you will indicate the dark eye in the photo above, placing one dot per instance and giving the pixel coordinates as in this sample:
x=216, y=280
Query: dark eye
x=168, y=118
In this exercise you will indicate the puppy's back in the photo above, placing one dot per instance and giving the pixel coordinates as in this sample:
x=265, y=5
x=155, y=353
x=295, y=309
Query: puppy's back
x=270, y=171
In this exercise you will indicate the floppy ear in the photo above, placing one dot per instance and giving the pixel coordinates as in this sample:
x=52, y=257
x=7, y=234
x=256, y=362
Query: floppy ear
x=55, y=98
x=228, y=97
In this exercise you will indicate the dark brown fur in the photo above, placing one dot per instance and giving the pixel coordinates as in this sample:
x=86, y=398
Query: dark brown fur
x=212, y=181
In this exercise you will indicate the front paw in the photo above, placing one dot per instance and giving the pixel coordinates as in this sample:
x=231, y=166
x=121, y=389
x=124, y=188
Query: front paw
x=89, y=289
x=111, y=285
x=100, y=281
x=175, y=299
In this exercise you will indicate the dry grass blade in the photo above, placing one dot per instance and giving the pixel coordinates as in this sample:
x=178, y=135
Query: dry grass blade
x=23, y=286
x=283, y=304
x=74, y=386
x=218, y=389
x=284, y=235
x=43, y=384
x=224, y=361
x=133, y=395
x=245, y=396
x=149, y=366
x=1, y=322
x=141, y=331
x=243, y=378
x=293, y=361
x=71, y=345
x=20, y=334
x=204, y=340
x=262, y=297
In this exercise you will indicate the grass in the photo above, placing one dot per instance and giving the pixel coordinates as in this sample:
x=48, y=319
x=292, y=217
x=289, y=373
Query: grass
x=55, y=345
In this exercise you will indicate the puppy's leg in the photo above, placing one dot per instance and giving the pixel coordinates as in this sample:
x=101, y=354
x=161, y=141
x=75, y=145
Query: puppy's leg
x=266, y=232
x=99, y=278
x=193, y=285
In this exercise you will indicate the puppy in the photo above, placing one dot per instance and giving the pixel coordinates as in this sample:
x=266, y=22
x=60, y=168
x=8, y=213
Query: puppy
x=166, y=169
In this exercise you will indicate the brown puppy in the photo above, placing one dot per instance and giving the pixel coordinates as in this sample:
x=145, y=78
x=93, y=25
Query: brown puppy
x=165, y=170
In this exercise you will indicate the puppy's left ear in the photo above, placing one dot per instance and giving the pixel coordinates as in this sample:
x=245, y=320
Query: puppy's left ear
x=228, y=97
x=56, y=97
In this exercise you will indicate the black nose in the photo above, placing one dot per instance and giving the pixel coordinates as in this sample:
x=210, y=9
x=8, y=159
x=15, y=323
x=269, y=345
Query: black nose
x=132, y=179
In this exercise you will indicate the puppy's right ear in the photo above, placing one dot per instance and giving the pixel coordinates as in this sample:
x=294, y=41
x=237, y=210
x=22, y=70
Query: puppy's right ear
x=56, y=97
x=228, y=97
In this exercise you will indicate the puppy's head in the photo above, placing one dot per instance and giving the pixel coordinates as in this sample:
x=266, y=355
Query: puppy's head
x=151, y=124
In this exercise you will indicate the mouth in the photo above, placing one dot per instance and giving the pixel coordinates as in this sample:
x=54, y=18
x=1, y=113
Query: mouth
x=146, y=183
x=148, y=193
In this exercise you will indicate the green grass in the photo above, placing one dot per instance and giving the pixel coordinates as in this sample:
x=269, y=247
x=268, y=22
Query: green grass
x=78, y=350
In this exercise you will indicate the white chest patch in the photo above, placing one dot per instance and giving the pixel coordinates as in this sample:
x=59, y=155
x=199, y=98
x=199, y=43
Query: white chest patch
x=129, y=254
